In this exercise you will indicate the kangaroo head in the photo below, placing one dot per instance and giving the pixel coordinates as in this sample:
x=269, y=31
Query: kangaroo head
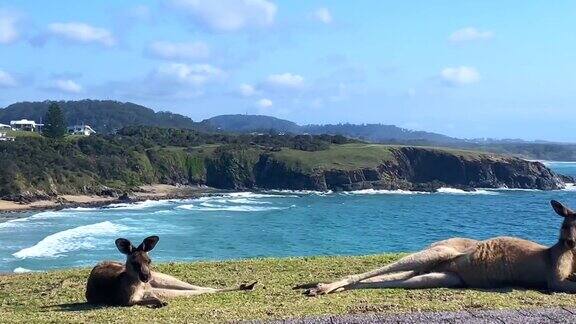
x=137, y=259
x=568, y=231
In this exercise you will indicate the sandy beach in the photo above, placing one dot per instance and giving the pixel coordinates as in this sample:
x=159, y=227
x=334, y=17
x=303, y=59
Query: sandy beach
x=147, y=192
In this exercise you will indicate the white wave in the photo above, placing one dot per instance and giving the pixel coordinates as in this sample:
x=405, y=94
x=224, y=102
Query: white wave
x=22, y=270
x=140, y=205
x=513, y=189
x=254, y=195
x=243, y=201
x=546, y=162
x=294, y=193
x=78, y=238
x=241, y=208
x=570, y=187
x=14, y=223
x=18, y=222
x=383, y=192
x=82, y=209
x=454, y=191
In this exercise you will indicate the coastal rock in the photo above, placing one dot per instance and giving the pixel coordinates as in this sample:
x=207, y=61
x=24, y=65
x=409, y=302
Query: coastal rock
x=417, y=169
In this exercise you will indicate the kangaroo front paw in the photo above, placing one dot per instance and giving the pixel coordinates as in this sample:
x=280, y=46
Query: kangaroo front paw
x=158, y=304
x=248, y=287
x=320, y=289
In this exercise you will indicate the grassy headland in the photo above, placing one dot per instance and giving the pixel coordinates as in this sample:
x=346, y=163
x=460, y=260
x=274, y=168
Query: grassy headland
x=34, y=169
x=58, y=296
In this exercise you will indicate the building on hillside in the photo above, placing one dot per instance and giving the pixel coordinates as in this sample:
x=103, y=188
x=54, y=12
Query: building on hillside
x=26, y=125
x=5, y=127
x=4, y=138
x=84, y=130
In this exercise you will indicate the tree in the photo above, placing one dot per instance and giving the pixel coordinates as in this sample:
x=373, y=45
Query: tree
x=54, y=123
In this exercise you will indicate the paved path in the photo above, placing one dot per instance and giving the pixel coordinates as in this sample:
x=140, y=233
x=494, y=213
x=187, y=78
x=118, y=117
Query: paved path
x=530, y=316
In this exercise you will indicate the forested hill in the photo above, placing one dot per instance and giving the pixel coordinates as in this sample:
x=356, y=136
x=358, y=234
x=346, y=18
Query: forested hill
x=368, y=132
x=105, y=116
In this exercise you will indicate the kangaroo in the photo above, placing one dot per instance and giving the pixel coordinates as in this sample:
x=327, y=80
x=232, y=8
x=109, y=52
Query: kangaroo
x=459, y=262
x=134, y=283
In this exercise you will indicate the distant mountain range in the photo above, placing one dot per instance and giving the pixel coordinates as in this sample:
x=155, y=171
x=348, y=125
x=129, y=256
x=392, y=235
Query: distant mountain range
x=367, y=132
x=107, y=116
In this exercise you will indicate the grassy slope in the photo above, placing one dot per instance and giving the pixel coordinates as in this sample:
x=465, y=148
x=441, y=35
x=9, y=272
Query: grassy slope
x=356, y=156
x=44, y=297
x=341, y=157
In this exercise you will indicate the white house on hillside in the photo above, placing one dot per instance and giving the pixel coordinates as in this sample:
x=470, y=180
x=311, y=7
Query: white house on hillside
x=26, y=125
x=81, y=130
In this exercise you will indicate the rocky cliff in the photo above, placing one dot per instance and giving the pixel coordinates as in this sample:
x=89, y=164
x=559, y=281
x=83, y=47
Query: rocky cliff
x=408, y=168
x=40, y=169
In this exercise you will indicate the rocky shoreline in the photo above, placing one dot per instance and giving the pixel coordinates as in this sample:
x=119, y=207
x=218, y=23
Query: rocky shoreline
x=391, y=168
x=152, y=192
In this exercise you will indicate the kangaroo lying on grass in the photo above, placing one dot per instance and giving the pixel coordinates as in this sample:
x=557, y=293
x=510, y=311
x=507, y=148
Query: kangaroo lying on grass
x=133, y=283
x=460, y=262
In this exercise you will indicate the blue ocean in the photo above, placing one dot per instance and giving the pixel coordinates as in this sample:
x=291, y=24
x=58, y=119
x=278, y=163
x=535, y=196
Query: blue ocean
x=279, y=224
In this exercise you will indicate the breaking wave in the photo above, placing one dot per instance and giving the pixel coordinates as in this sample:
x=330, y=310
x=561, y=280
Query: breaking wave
x=454, y=191
x=213, y=207
x=78, y=238
x=383, y=192
x=139, y=205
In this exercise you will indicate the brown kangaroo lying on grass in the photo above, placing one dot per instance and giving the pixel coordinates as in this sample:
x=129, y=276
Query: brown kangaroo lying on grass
x=459, y=262
x=134, y=283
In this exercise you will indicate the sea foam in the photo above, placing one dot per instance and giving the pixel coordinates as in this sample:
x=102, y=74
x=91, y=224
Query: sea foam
x=139, y=205
x=383, y=192
x=237, y=208
x=454, y=191
x=78, y=238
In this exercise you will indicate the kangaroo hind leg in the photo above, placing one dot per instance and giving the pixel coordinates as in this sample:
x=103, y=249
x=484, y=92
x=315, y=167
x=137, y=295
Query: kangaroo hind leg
x=164, y=281
x=428, y=280
x=419, y=262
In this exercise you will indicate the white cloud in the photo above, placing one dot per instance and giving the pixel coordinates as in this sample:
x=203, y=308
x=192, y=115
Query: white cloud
x=81, y=33
x=66, y=85
x=265, y=103
x=246, y=90
x=228, y=15
x=7, y=80
x=285, y=80
x=8, y=30
x=323, y=15
x=179, y=51
x=469, y=34
x=460, y=75
x=193, y=74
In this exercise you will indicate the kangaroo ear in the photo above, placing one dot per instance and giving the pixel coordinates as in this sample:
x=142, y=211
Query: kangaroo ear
x=124, y=246
x=561, y=209
x=149, y=243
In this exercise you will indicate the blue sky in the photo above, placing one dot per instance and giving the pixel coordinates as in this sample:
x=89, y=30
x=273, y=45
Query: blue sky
x=503, y=69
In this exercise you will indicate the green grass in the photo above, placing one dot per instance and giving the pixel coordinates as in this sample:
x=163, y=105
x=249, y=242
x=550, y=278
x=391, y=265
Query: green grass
x=341, y=157
x=54, y=296
x=355, y=156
